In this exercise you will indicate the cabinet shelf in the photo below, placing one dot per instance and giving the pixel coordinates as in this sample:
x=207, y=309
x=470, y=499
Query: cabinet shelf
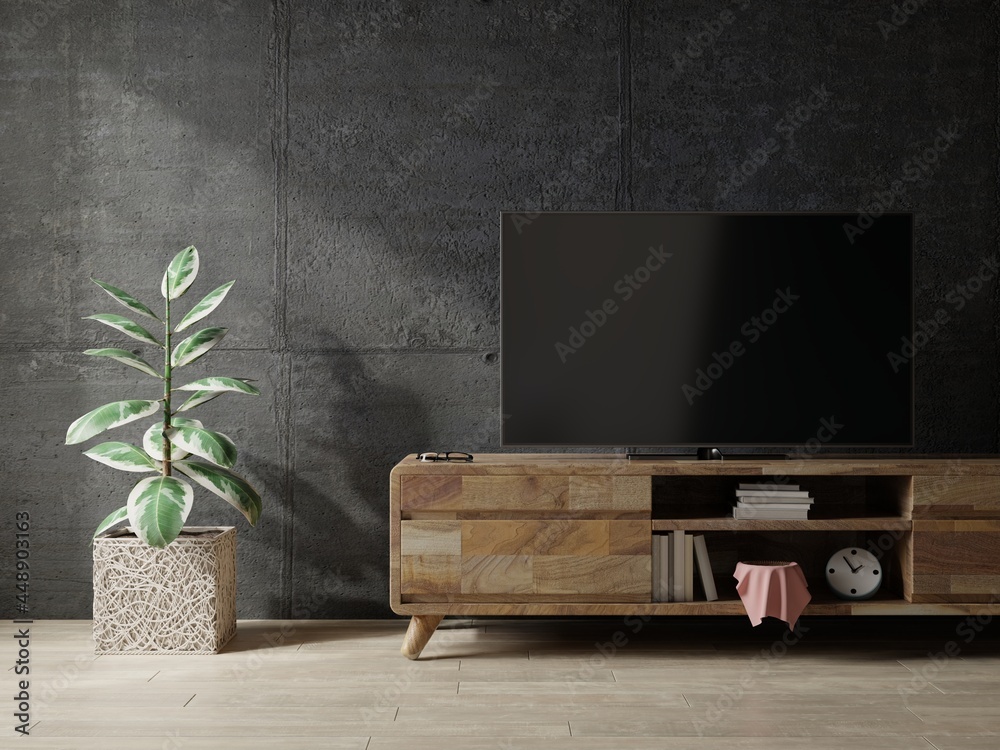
x=822, y=603
x=864, y=523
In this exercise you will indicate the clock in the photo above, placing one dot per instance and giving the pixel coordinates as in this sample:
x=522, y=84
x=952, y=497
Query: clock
x=854, y=573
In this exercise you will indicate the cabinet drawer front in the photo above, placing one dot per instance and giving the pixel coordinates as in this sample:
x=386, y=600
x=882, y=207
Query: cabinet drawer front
x=525, y=560
x=956, y=561
x=535, y=494
x=956, y=497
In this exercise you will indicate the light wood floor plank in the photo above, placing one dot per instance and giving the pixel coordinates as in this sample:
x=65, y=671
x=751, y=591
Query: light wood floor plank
x=744, y=726
x=657, y=743
x=317, y=727
x=962, y=743
x=177, y=742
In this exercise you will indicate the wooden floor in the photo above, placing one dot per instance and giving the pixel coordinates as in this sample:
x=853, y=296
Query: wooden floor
x=527, y=683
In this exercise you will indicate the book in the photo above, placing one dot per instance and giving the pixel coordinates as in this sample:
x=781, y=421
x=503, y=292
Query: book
x=774, y=506
x=775, y=501
x=771, y=493
x=664, y=568
x=705, y=569
x=677, y=565
x=667, y=540
x=655, y=570
x=688, y=568
x=751, y=514
x=769, y=486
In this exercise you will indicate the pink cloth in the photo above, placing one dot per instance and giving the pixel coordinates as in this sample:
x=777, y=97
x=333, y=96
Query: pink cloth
x=772, y=590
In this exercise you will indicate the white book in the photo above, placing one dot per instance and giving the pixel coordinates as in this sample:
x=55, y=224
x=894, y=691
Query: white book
x=774, y=506
x=774, y=501
x=664, y=545
x=770, y=493
x=768, y=486
x=655, y=569
x=705, y=569
x=677, y=565
x=688, y=568
x=751, y=514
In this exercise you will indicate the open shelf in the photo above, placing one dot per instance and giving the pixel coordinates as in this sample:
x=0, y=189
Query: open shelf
x=841, y=503
x=866, y=523
x=810, y=547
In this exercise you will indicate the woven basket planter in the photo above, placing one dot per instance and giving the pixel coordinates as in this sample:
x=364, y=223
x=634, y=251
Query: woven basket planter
x=176, y=600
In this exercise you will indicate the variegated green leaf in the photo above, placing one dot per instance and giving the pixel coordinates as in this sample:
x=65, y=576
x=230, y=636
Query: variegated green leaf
x=211, y=301
x=122, y=456
x=126, y=299
x=212, y=446
x=239, y=385
x=105, y=417
x=126, y=358
x=158, y=507
x=126, y=326
x=195, y=345
x=180, y=274
x=152, y=441
x=112, y=520
x=198, y=398
x=234, y=489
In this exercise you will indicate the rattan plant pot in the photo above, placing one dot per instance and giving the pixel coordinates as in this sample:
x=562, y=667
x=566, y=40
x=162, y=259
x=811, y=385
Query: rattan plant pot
x=176, y=600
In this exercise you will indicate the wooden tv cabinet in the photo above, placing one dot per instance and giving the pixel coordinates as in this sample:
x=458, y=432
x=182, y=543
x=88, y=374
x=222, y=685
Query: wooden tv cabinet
x=571, y=534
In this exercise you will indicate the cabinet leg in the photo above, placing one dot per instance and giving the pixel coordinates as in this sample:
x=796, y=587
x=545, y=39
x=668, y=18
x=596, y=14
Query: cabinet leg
x=421, y=629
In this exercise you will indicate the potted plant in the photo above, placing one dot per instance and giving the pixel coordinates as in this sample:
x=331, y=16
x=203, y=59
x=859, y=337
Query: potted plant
x=158, y=586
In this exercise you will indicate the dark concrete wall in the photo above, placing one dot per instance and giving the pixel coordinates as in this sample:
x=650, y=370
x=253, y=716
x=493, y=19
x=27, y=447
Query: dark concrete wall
x=346, y=163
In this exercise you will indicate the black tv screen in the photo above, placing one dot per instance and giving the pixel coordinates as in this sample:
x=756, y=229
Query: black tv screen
x=706, y=329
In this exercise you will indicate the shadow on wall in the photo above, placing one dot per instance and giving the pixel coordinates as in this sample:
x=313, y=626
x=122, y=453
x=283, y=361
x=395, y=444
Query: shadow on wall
x=351, y=425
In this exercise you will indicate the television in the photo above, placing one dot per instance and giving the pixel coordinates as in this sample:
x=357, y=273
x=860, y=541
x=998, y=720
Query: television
x=706, y=329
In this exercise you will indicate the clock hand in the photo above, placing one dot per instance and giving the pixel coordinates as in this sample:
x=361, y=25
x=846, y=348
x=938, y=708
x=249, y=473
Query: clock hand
x=849, y=565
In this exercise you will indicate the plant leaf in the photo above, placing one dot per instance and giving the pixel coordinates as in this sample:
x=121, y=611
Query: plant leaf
x=126, y=326
x=122, y=456
x=152, y=441
x=180, y=274
x=126, y=358
x=158, y=507
x=211, y=301
x=112, y=520
x=234, y=489
x=199, y=398
x=126, y=299
x=105, y=417
x=195, y=345
x=212, y=446
x=220, y=384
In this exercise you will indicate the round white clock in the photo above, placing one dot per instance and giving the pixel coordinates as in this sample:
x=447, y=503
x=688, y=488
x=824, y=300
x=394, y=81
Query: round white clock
x=854, y=573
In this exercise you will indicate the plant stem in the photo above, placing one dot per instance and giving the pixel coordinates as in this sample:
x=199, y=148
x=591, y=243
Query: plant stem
x=166, y=393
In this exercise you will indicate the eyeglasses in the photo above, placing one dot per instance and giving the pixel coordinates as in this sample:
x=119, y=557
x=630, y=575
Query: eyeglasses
x=450, y=456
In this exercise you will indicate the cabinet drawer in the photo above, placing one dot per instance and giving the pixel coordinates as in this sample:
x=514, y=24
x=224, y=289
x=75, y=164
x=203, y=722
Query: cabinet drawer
x=535, y=494
x=956, y=497
x=956, y=561
x=525, y=561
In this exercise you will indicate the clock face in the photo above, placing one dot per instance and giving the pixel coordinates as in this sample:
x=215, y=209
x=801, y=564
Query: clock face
x=854, y=573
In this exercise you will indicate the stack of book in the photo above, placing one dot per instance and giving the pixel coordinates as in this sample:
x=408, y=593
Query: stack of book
x=771, y=502
x=674, y=557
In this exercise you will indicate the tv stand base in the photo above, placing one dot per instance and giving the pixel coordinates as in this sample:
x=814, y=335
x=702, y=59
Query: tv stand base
x=566, y=535
x=421, y=629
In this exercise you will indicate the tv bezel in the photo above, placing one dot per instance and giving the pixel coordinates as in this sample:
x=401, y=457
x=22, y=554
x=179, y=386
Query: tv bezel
x=823, y=449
